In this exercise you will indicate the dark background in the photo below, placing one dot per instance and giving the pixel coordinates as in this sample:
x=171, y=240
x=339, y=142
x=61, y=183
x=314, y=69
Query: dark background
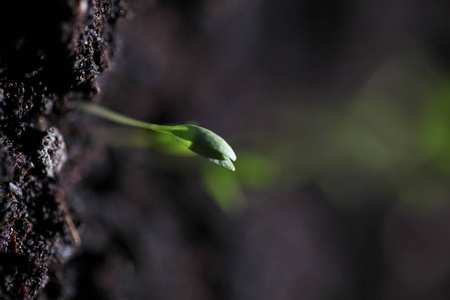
x=339, y=112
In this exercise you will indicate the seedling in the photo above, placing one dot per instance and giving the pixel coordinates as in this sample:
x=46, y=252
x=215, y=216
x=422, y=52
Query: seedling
x=195, y=138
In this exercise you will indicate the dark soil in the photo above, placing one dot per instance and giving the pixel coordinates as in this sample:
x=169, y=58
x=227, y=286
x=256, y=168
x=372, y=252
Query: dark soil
x=50, y=55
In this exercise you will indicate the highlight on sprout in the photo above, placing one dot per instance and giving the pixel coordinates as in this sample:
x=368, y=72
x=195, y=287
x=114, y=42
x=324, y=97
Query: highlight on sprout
x=195, y=138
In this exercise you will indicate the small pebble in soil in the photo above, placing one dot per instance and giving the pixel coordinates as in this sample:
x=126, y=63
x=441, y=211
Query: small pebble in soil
x=52, y=152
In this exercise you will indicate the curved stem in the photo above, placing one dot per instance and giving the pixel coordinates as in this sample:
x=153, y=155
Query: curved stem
x=113, y=116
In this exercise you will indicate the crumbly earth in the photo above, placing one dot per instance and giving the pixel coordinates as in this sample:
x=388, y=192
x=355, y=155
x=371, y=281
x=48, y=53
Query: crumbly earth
x=50, y=54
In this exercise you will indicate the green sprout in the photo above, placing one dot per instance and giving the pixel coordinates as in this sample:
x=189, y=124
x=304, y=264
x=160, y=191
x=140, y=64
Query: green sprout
x=195, y=138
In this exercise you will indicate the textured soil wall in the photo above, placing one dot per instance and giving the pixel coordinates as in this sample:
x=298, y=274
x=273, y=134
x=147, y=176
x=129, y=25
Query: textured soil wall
x=50, y=55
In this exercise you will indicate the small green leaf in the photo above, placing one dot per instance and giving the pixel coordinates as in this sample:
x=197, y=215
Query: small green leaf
x=168, y=144
x=203, y=142
x=226, y=163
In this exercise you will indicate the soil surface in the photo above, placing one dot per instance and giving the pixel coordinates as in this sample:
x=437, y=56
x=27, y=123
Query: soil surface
x=50, y=55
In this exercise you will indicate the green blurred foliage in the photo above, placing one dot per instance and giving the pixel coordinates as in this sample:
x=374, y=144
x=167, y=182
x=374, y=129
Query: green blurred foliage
x=227, y=189
x=391, y=142
x=223, y=186
x=257, y=171
x=434, y=135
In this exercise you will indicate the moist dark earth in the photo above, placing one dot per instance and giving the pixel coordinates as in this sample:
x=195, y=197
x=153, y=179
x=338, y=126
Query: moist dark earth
x=50, y=55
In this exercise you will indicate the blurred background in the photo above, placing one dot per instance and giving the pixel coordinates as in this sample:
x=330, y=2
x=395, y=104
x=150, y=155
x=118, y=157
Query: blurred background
x=339, y=112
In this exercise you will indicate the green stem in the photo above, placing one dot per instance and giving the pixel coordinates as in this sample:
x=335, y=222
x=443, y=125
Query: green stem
x=115, y=117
